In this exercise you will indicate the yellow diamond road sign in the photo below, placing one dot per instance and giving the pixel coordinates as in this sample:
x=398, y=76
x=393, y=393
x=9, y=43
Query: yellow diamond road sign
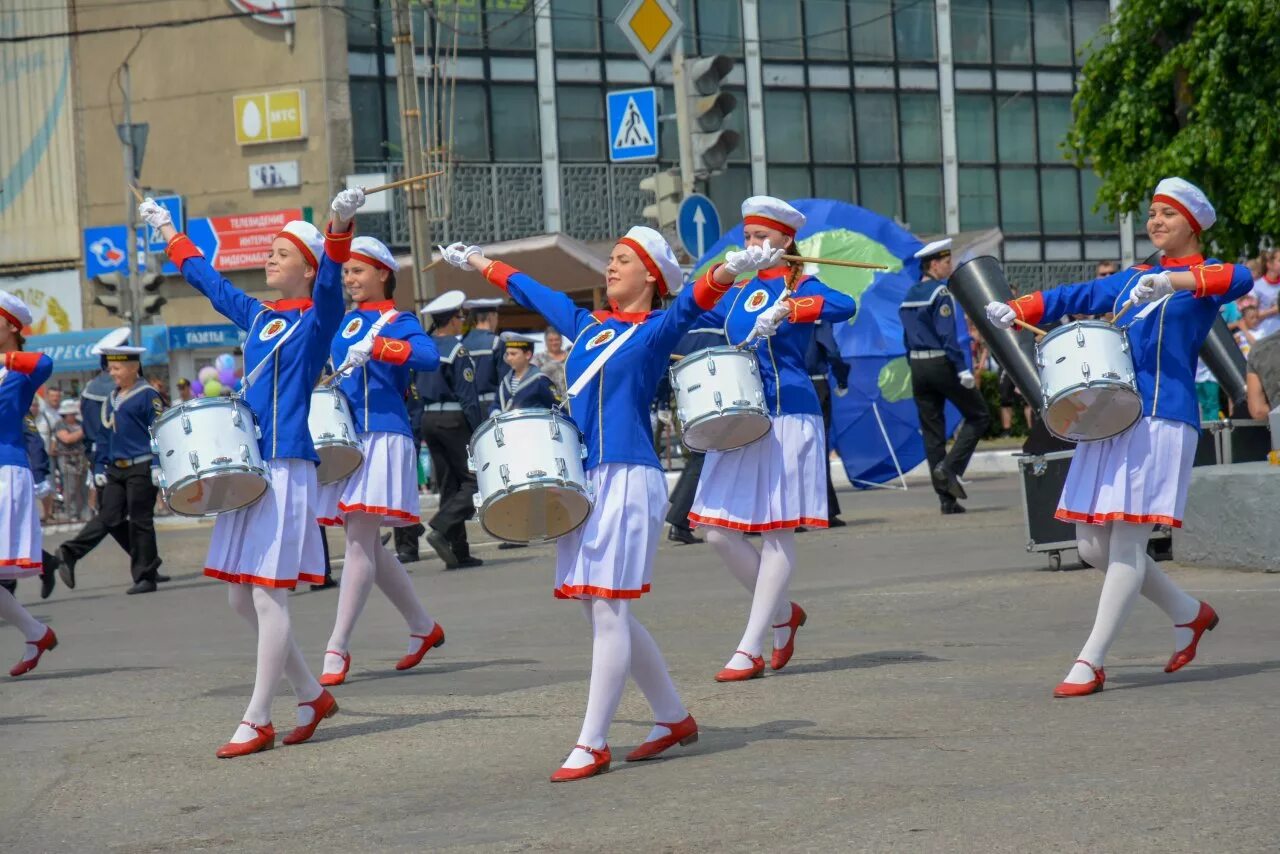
x=651, y=26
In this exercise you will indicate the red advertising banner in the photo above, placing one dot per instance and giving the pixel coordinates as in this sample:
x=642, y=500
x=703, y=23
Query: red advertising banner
x=243, y=241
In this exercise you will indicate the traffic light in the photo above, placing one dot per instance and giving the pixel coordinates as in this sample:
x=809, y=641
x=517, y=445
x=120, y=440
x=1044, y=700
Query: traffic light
x=666, y=189
x=109, y=291
x=149, y=298
x=709, y=106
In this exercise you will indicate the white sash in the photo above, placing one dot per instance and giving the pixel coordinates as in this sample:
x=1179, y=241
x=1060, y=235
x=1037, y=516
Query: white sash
x=253, y=375
x=581, y=382
x=346, y=369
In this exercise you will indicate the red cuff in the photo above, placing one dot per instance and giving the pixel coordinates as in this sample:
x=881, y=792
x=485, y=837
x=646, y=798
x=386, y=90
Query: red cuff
x=180, y=249
x=338, y=246
x=1212, y=279
x=707, y=291
x=1030, y=308
x=391, y=350
x=805, y=309
x=499, y=274
x=23, y=363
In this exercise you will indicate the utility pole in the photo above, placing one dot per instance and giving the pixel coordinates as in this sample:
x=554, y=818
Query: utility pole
x=411, y=143
x=684, y=128
x=131, y=303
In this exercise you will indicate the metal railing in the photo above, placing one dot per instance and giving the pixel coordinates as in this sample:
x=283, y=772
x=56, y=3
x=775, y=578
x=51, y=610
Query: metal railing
x=1030, y=276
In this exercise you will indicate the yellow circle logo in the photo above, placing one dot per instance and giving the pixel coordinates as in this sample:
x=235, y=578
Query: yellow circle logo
x=272, y=329
x=757, y=300
x=601, y=338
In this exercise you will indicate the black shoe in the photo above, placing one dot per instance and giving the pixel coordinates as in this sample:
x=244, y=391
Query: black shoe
x=161, y=579
x=443, y=548
x=145, y=585
x=66, y=568
x=408, y=557
x=10, y=584
x=385, y=538
x=468, y=562
x=801, y=529
x=836, y=522
x=48, y=578
x=953, y=508
x=947, y=479
x=328, y=582
x=684, y=536
x=502, y=547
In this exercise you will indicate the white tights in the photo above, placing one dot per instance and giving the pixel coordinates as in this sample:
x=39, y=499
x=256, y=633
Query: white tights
x=267, y=612
x=12, y=612
x=367, y=563
x=766, y=574
x=1120, y=550
x=621, y=645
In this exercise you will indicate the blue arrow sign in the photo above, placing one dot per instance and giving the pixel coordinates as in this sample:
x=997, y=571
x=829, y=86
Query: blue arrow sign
x=633, y=125
x=698, y=225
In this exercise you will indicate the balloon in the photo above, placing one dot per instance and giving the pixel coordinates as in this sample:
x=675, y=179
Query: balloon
x=208, y=372
x=225, y=362
x=212, y=388
x=226, y=376
x=197, y=388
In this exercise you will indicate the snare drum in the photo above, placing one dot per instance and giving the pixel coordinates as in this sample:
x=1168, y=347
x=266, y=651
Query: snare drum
x=531, y=485
x=210, y=461
x=333, y=432
x=1086, y=372
x=720, y=399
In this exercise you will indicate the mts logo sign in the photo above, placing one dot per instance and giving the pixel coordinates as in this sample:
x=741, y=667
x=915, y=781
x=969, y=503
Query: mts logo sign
x=271, y=116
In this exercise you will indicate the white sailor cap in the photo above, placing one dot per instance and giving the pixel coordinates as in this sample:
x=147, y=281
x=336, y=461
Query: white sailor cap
x=375, y=252
x=123, y=353
x=308, y=239
x=1187, y=199
x=447, y=303
x=772, y=213
x=513, y=339
x=14, y=310
x=70, y=406
x=936, y=248
x=114, y=338
x=487, y=304
x=656, y=255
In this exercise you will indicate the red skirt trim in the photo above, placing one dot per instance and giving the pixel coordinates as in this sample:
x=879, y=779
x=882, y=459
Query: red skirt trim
x=334, y=522
x=23, y=563
x=385, y=512
x=803, y=521
x=275, y=583
x=1103, y=518
x=577, y=591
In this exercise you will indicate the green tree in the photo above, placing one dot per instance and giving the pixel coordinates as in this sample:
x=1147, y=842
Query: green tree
x=1188, y=88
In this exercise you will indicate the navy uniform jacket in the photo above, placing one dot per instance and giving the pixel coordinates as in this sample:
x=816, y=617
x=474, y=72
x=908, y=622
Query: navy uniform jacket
x=127, y=419
x=824, y=353
x=92, y=400
x=486, y=352
x=37, y=456
x=929, y=321
x=534, y=390
x=453, y=382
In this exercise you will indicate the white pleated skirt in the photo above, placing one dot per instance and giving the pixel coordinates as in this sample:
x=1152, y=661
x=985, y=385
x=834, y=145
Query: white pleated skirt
x=21, y=539
x=386, y=484
x=611, y=555
x=776, y=483
x=275, y=541
x=1140, y=476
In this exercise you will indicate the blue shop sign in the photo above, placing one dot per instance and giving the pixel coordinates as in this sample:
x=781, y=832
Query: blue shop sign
x=70, y=350
x=209, y=337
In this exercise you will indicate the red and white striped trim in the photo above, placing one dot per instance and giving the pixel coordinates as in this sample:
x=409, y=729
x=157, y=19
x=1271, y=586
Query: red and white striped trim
x=274, y=583
x=746, y=527
x=578, y=591
x=1065, y=515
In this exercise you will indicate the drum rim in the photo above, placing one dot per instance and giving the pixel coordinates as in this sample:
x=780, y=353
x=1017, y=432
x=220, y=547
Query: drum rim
x=1131, y=385
x=239, y=468
x=1092, y=324
x=528, y=485
x=1066, y=438
x=520, y=414
x=685, y=432
x=706, y=352
x=354, y=469
x=199, y=403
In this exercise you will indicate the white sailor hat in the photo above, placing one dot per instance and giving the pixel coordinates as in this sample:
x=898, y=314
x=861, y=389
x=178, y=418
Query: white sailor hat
x=114, y=338
x=14, y=310
x=447, y=303
x=123, y=353
x=70, y=406
x=308, y=239
x=1187, y=199
x=375, y=252
x=512, y=339
x=656, y=255
x=772, y=213
x=487, y=304
x=936, y=248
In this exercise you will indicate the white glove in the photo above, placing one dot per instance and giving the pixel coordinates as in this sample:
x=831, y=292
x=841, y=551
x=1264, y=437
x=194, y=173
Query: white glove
x=664, y=417
x=156, y=477
x=99, y=480
x=43, y=488
x=752, y=258
x=770, y=319
x=1001, y=314
x=347, y=202
x=153, y=214
x=1151, y=287
x=459, y=254
x=966, y=379
x=360, y=353
x=841, y=390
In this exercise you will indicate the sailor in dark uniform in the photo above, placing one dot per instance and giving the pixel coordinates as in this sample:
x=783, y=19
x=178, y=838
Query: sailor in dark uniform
x=824, y=354
x=485, y=349
x=451, y=412
x=940, y=372
x=524, y=387
x=686, y=486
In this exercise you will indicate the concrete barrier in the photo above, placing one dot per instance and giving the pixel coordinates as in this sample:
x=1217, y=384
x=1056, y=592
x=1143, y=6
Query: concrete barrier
x=1230, y=520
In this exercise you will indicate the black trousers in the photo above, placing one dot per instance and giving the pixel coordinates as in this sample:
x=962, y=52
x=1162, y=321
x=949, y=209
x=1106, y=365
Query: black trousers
x=126, y=512
x=823, y=388
x=445, y=434
x=684, y=490
x=933, y=383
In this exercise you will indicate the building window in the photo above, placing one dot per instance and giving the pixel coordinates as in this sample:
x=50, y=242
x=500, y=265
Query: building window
x=1055, y=121
x=720, y=27
x=877, y=122
x=361, y=25
x=1060, y=200
x=366, y=120
x=835, y=182
x=581, y=121
x=789, y=182
x=1019, y=201
x=1011, y=31
x=977, y=198
x=468, y=117
x=786, y=126
x=921, y=128
x=1099, y=221
x=975, y=129
x=826, y=29
x=575, y=25
x=1053, y=32
x=831, y=117
x=913, y=31
x=1016, y=125
x=513, y=112
x=872, y=24
x=1087, y=19
x=728, y=189
x=924, y=199
x=970, y=31
x=878, y=191
x=781, y=28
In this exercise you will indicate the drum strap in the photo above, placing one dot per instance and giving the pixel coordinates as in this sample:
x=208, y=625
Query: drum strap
x=344, y=369
x=594, y=368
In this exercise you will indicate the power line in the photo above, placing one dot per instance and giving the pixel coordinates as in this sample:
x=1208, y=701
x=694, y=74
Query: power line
x=154, y=25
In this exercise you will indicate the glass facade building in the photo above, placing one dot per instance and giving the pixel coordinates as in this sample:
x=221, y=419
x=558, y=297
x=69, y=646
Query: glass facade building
x=947, y=116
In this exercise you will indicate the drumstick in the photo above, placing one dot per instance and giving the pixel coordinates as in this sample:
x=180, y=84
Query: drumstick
x=834, y=262
x=1040, y=333
x=1128, y=304
x=136, y=194
x=371, y=190
x=786, y=294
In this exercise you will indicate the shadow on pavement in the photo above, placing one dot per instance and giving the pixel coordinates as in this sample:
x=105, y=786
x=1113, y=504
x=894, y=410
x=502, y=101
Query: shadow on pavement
x=862, y=661
x=1206, y=673
x=44, y=675
x=720, y=739
x=390, y=723
x=389, y=673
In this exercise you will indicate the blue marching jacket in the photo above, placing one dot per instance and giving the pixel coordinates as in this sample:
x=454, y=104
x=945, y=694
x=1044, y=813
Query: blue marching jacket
x=928, y=314
x=24, y=374
x=281, y=396
x=377, y=390
x=787, y=387
x=612, y=411
x=1165, y=336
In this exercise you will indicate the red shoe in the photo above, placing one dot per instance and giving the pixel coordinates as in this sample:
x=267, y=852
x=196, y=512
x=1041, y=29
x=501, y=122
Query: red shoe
x=1205, y=621
x=324, y=706
x=782, y=656
x=264, y=740
x=683, y=733
x=1073, y=689
x=756, y=669
x=429, y=641
x=599, y=766
x=328, y=680
x=46, y=643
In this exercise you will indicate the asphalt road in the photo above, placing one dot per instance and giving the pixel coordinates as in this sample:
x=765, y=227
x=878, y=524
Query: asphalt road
x=916, y=715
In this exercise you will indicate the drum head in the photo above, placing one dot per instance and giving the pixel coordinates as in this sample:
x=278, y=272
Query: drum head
x=337, y=462
x=1094, y=413
x=726, y=432
x=535, y=513
x=216, y=493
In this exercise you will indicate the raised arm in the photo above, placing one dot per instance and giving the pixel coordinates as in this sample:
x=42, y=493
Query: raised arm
x=403, y=342
x=557, y=308
x=1100, y=296
x=37, y=367
x=814, y=300
x=693, y=304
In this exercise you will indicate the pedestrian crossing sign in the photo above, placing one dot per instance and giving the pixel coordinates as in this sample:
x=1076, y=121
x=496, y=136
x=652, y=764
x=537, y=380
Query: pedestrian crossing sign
x=633, y=125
